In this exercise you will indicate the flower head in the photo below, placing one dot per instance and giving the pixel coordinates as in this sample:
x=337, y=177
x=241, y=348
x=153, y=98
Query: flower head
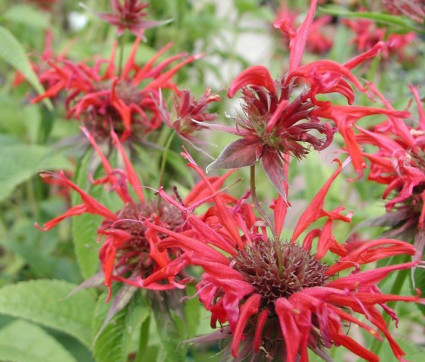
x=367, y=35
x=129, y=15
x=283, y=117
x=398, y=163
x=129, y=250
x=276, y=299
x=414, y=9
x=109, y=99
x=318, y=42
x=188, y=113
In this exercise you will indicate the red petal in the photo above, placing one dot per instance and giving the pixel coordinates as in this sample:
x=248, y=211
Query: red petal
x=131, y=173
x=315, y=209
x=73, y=211
x=249, y=308
x=297, y=44
x=256, y=75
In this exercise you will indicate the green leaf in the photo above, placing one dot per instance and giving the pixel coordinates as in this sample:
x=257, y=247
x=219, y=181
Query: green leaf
x=171, y=324
x=120, y=336
x=27, y=15
x=13, y=53
x=401, y=22
x=84, y=227
x=45, y=302
x=21, y=341
x=20, y=162
x=419, y=279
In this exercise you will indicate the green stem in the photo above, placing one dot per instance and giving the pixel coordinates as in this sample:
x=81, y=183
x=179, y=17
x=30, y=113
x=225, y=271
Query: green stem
x=164, y=158
x=395, y=290
x=32, y=200
x=257, y=203
x=121, y=55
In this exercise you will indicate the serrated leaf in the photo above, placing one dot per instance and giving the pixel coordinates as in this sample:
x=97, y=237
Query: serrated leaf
x=43, y=302
x=119, y=338
x=20, y=162
x=169, y=318
x=84, y=227
x=21, y=341
x=119, y=302
x=13, y=53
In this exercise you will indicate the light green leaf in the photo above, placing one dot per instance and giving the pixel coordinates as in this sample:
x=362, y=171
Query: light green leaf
x=84, y=227
x=13, y=53
x=20, y=162
x=402, y=23
x=27, y=15
x=21, y=341
x=45, y=302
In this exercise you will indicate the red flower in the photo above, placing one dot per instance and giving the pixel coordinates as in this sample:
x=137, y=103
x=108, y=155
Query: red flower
x=129, y=252
x=129, y=15
x=276, y=299
x=277, y=122
x=102, y=99
x=414, y=9
x=399, y=164
x=317, y=40
x=368, y=35
x=188, y=113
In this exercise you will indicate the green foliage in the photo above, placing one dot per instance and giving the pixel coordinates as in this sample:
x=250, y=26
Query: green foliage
x=12, y=52
x=27, y=15
x=45, y=302
x=20, y=162
x=398, y=23
x=419, y=283
x=84, y=227
x=119, y=337
x=21, y=341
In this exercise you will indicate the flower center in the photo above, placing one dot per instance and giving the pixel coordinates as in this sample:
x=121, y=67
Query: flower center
x=278, y=269
x=134, y=255
x=132, y=213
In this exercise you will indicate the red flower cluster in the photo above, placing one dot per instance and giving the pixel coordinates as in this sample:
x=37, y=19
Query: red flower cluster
x=399, y=163
x=189, y=113
x=367, y=35
x=275, y=298
x=129, y=252
x=126, y=101
x=318, y=42
x=277, y=122
x=414, y=9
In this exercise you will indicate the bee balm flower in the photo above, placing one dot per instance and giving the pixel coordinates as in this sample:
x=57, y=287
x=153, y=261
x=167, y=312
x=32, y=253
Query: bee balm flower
x=277, y=299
